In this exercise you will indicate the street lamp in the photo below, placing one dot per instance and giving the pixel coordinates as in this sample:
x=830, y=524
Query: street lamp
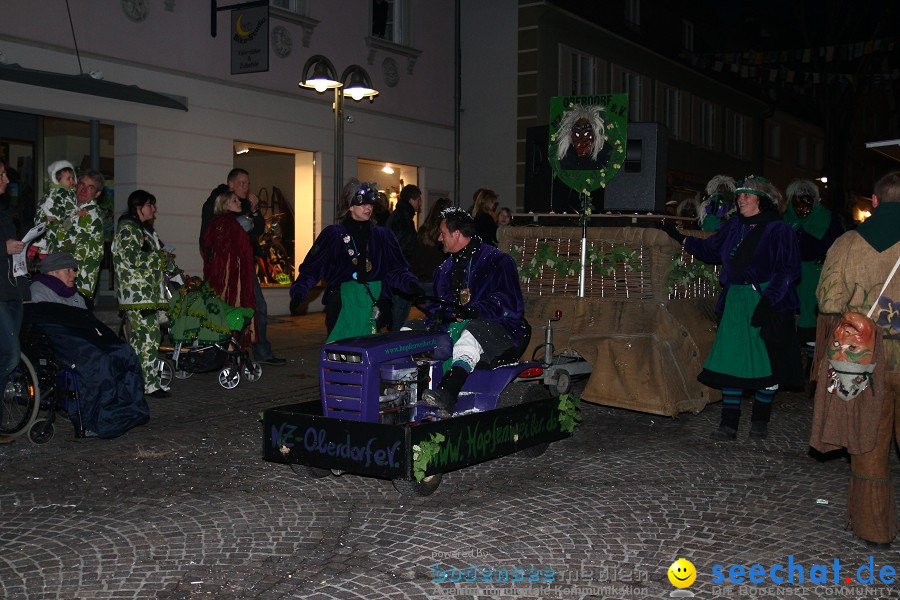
x=319, y=74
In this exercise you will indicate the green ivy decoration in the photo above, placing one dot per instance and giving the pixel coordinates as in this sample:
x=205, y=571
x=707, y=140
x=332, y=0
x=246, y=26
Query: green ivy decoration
x=423, y=453
x=684, y=274
x=602, y=263
x=569, y=412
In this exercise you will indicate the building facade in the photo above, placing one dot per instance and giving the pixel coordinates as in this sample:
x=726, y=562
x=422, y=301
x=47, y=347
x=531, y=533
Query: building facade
x=283, y=134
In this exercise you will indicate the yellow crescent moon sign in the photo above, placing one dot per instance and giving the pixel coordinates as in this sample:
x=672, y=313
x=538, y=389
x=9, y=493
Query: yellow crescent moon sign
x=239, y=28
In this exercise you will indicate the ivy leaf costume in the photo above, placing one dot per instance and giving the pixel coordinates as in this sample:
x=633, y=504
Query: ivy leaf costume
x=139, y=266
x=80, y=234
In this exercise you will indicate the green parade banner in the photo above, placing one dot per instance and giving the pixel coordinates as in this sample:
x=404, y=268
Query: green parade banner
x=587, y=139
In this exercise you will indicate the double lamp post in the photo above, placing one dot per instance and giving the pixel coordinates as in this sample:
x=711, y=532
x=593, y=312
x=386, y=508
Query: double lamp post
x=319, y=74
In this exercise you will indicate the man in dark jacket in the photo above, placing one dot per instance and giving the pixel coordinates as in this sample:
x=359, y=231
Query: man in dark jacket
x=485, y=282
x=402, y=223
x=238, y=182
x=12, y=291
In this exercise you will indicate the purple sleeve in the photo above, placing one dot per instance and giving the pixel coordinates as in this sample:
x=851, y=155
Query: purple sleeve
x=709, y=250
x=313, y=268
x=784, y=258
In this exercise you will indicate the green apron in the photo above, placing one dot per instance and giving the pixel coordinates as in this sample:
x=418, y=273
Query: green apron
x=355, y=318
x=810, y=271
x=738, y=350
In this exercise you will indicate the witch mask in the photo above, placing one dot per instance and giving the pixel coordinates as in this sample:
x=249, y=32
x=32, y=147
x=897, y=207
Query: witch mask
x=851, y=356
x=583, y=137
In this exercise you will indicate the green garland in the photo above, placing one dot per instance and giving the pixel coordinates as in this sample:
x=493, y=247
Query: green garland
x=603, y=263
x=569, y=412
x=682, y=274
x=423, y=453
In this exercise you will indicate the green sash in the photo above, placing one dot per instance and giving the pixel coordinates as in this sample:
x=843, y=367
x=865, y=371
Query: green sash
x=355, y=318
x=810, y=271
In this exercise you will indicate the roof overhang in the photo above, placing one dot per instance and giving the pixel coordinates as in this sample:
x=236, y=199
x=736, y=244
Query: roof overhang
x=85, y=84
x=890, y=148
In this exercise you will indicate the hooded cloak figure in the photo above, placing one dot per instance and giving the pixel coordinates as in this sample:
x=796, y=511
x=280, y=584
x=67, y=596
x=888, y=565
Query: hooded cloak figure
x=817, y=228
x=719, y=204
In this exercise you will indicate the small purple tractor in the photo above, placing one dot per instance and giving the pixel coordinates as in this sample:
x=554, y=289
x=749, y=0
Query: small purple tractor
x=371, y=421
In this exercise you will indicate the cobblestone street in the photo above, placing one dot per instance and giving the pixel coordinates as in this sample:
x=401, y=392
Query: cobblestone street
x=184, y=507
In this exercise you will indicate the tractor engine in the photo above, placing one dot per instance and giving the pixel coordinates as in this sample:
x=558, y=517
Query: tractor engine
x=399, y=391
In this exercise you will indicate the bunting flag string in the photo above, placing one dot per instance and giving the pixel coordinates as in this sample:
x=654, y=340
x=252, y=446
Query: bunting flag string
x=830, y=53
x=755, y=65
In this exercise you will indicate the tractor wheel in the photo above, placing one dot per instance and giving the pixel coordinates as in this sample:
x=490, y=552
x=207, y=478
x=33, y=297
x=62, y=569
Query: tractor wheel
x=426, y=487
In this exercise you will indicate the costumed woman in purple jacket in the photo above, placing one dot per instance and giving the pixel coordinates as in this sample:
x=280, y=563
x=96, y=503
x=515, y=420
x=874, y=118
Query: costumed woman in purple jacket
x=359, y=262
x=755, y=346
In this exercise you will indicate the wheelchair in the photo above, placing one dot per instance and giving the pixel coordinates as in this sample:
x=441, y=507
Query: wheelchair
x=36, y=391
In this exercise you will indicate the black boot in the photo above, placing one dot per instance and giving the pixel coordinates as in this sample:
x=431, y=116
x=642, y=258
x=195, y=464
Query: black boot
x=727, y=430
x=759, y=419
x=443, y=398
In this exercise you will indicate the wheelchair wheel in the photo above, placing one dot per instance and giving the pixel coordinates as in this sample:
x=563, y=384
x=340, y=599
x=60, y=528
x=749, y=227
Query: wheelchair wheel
x=251, y=374
x=166, y=372
x=41, y=431
x=21, y=399
x=229, y=378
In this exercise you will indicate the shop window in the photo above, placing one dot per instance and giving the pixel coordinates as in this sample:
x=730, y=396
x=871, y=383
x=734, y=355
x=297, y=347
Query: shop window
x=389, y=177
x=284, y=180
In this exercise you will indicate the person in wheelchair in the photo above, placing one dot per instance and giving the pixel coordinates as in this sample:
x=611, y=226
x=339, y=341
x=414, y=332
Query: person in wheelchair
x=490, y=322
x=110, y=384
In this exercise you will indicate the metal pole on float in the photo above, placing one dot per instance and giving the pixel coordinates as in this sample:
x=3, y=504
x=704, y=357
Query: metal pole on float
x=584, y=220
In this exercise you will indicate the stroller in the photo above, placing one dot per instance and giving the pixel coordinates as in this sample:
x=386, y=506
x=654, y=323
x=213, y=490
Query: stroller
x=206, y=336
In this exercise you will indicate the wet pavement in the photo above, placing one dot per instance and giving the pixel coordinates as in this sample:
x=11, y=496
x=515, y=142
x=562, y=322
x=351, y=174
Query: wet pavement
x=184, y=507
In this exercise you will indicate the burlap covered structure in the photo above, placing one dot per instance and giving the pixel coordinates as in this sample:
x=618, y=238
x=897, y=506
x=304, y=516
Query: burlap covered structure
x=645, y=344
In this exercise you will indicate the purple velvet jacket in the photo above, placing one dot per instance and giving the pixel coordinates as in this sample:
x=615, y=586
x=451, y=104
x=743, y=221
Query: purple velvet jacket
x=776, y=260
x=494, y=284
x=328, y=259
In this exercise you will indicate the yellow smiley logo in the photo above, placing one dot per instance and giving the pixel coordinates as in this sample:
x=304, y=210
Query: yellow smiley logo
x=682, y=573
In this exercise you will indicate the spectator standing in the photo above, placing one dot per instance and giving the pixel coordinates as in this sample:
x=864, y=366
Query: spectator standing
x=817, y=228
x=429, y=253
x=381, y=210
x=755, y=346
x=485, y=281
x=75, y=224
x=228, y=262
x=13, y=290
x=853, y=277
x=358, y=261
x=402, y=223
x=504, y=216
x=485, y=216
x=238, y=183
x=141, y=265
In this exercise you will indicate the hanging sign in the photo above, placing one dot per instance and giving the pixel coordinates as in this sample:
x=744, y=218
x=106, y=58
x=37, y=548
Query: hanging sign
x=587, y=139
x=250, y=40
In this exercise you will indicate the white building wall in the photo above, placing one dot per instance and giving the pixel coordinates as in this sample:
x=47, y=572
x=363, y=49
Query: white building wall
x=180, y=156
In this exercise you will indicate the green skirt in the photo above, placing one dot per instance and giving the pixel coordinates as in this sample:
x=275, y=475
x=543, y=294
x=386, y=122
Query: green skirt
x=738, y=357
